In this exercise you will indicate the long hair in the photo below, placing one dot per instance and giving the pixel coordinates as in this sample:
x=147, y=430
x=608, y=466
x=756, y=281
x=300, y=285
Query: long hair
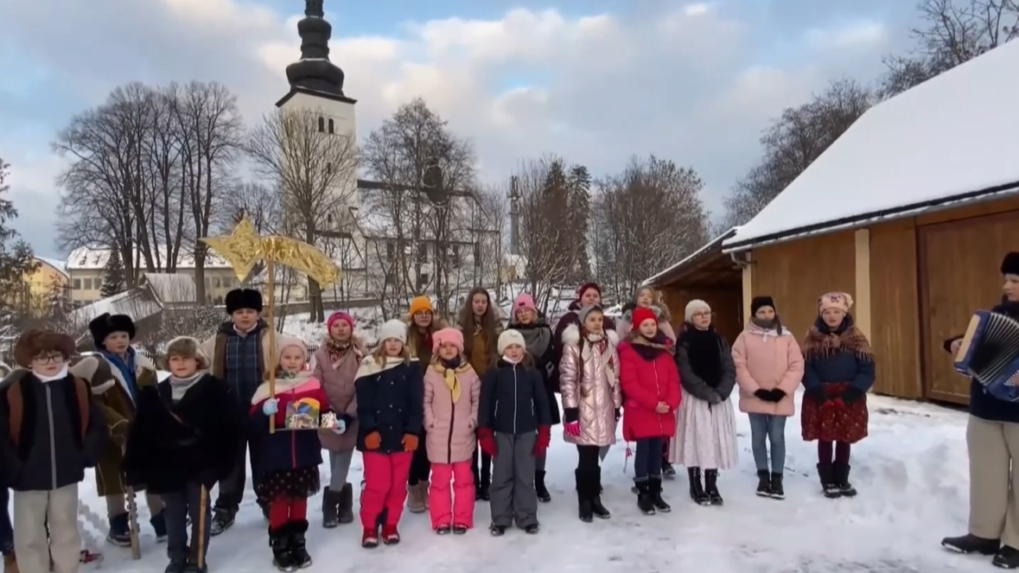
x=414, y=335
x=380, y=356
x=489, y=323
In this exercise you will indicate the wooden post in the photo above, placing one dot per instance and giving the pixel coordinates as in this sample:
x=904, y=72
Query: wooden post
x=271, y=299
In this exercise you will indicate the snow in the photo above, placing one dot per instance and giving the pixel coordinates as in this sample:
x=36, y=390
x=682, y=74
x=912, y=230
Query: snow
x=714, y=243
x=132, y=302
x=85, y=258
x=911, y=473
x=60, y=266
x=943, y=138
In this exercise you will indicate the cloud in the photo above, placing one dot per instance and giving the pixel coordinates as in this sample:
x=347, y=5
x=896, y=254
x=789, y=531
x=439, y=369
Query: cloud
x=693, y=82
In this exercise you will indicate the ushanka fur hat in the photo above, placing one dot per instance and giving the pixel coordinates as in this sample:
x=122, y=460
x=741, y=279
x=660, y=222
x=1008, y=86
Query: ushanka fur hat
x=35, y=343
x=243, y=298
x=106, y=324
x=1010, y=264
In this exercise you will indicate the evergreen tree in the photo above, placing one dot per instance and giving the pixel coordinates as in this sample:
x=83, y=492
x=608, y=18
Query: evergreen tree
x=579, y=200
x=16, y=257
x=113, y=275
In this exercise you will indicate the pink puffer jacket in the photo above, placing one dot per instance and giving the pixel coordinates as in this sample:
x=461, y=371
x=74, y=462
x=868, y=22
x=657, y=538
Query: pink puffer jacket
x=450, y=426
x=338, y=382
x=589, y=382
x=767, y=360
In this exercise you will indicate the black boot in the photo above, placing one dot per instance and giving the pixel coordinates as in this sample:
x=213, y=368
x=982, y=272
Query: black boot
x=222, y=519
x=279, y=541
x=330, y=508
x=841, y=479
x=539, y=487
x=120, y=531
x=711, y=487
x=696, y=488
x=970, y=543
x=668, y=472
x=1007, y=558
x=158, y=522
x=345, y=512
x=826, y=473
x=596, y=506
x=763, y=483
x=777, y=489
x=644, y=497
x=298, y=545
x=656, y=496
x=584, y=496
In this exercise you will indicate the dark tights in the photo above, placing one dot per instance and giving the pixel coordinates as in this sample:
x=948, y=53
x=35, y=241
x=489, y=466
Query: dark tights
x=837, y=450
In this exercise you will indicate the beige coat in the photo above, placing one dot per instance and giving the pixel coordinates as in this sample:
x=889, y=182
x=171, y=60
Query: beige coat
x=589, y=381
x=338, y=382
x=449, y=427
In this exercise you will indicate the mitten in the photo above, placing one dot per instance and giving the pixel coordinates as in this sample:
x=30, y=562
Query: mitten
x=410, y=443
x=763, y=394
x=619, y=414
x=777, y=395
x=340, y=428
x=817, y=394
x=373, y=441
x=486, y=440
x=714, y=398
x=270, y=406
x=543, y=440
x=852, y=395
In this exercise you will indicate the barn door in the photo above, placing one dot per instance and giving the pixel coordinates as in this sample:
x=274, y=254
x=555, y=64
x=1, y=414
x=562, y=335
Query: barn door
x=959, y=275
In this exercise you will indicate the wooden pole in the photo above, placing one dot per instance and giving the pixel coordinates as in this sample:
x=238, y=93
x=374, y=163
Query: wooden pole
x=269, y=319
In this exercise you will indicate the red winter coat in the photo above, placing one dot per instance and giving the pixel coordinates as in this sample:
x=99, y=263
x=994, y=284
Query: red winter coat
x=648, y=375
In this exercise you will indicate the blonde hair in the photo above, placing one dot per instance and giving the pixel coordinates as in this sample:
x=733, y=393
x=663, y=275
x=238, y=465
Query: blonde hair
x=380, y=356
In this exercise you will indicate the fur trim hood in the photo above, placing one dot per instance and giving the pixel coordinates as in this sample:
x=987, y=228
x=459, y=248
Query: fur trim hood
x=571, y=336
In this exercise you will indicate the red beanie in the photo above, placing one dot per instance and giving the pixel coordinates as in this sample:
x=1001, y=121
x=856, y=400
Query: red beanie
x=586, y=287
x=640, y=314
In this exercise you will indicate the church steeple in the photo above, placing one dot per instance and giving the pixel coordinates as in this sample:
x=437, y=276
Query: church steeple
x=314, y=71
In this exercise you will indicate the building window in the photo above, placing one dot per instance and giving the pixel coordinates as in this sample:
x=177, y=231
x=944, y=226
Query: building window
x=390, y=250
x=332, y=127
x=422, y=280
x=422, y=253
x=76, y=284
x=87, y=284
x=321, y=124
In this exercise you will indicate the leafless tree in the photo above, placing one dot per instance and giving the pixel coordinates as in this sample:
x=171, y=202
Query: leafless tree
x=792, y=142
x=316, y=172
x=952, y=32
x=494, y=203
x=260, y=204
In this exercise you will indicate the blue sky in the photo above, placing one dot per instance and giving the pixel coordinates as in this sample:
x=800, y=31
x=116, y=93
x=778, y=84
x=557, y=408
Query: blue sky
x=593, y=80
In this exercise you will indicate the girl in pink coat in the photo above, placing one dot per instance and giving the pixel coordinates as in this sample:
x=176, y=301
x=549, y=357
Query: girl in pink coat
x=452, y=393
x=769, y=368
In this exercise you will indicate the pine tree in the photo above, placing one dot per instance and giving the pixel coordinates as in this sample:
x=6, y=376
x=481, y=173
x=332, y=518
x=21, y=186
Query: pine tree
x=16, y=257
x=579, y=200
x=113, y=275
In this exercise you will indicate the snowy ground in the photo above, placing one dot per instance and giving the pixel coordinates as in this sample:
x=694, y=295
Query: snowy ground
x=911, y=473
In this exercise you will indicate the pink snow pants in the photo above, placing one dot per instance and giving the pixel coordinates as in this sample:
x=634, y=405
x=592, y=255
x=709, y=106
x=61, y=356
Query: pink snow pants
x=458, y=508
x=385, y=486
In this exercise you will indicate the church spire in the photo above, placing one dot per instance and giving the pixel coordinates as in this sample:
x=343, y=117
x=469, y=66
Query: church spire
x=314, y=71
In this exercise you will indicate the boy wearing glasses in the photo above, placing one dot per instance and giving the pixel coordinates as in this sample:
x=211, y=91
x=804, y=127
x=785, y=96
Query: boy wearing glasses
x=50, y=431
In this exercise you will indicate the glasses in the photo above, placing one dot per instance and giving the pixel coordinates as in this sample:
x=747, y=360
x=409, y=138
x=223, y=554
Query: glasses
x=50, y=359
x=702, y=315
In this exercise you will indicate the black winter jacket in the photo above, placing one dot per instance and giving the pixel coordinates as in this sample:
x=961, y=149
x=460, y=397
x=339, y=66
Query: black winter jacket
x=513, y=400
x=389, y=401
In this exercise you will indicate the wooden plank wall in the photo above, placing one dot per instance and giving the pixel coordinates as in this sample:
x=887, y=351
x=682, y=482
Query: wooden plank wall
x=725, y=307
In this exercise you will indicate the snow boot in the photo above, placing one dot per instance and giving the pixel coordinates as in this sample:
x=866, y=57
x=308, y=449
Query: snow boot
x=1007, y=558
x=539, y=487
x=345, y=511
x=711, y=487
x=830, y=488
x=585, y=511
x=370, y=538
x=222, y=519
x=970, y=543
x=120, y=531
x=697, y=493
x=158, y=522
x=644, y=503
x=330, y=508
x=298, y=545
x=596, y=506
x=415, y=498
x=460, y=529
x=279, y=541
x=668, y=472
x=444, y=529
x=176, y=566
x=390, y=535
x=763, y=483
x=497, y=530
x=655, y=490
x=10, y=563
x=841, y=479
x=532, y=529
x=777, y=489
x=196, y=568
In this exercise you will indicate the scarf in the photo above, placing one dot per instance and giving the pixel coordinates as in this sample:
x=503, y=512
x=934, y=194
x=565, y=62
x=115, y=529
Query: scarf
x=180, y=386
x=537, y=338
x=823, y=340
x=650, y=349
x=765, y=324
x=58, y=376
x=337, y=350
x=449, y=370
x=704, y=348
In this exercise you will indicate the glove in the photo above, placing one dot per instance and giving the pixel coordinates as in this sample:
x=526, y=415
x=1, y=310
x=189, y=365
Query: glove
x=373, y=441
x=341, y=427
x=776, y=395
x=543, y=440
x=486, y=440
x=852, y=394
x=572, y=429
x=270, y=406
x=817, y=394
x=410, y=443
x=763, y=394
x=618, y=414
x=714, y=398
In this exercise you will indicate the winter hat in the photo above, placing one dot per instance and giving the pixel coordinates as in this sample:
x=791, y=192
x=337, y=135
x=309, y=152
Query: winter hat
x=523, y=301
x=447, y=336
x=583, y=313
x=586, y=287
x=187, y=347
x=693, y=306
x=421, y=304
x=1010, y=264
x=243, y=298
x=106, y=324
x=838, y=300
x=339, y=315
x=509, y=338
x=37, y=342
x=393, y=329
x=640, y=314
x=289, y=341
x=760, y=302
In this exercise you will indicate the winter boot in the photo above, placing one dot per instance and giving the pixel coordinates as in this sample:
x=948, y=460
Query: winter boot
x=539, y=487
x=222, y=519
x=298, y=545
x=777, y=489
x=656, y=496
x=196, y=568
x=279, y=541
x=390, y=535
x=644, y=498
x=697, y=493
x=330, y=508
x=345, y=512
x=370, y=538
x=830, y=488
x=120, y=531
x=158, y=522
x=1007, y=558
x=668, y=472
x=711, y=487
x=596, y=506
x=177, y=565
x=586, y=513
x=970, y=543
x=763, y=483
x=415, y=498
x=841, y=479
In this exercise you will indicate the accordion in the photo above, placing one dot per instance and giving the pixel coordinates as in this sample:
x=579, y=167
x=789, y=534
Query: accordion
x=990, y=354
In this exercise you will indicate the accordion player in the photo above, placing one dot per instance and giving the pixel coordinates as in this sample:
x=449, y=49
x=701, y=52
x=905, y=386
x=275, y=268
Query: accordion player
x=989, y=352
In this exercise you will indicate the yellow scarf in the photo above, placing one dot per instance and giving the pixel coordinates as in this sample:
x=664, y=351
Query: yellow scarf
x=449, y=375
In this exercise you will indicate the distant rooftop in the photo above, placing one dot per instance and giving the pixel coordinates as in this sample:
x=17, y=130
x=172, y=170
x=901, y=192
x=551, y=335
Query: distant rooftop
x=85, y=258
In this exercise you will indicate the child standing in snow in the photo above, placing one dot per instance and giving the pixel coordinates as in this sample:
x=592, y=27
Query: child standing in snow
x=650, y=383
x=422, y=324
x=181, y=444
x=50, y=431
x=452, y=391
x=288, y=459
x=390, y=410
x=514, y=429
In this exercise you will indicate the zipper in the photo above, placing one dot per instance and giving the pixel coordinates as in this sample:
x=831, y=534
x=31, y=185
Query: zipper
x=516, y=398
x=452, y=420
x=658, y=393
x=53, y=440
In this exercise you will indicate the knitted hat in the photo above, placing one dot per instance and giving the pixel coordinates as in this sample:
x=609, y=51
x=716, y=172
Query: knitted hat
x=1010, y=264
x=243, y=298
x=421, y=304
x=447, y=336
x=395, y=329
x=523, y=301
x=586, y=287
x=760, y=302
x=838, y=300
x=339, y=315
x=509, y=338
x=106, y=324
x=640, y=314
x=287, y=342
x=187, y=347
x=584, y=312
x=35, y=343
x=693, y=306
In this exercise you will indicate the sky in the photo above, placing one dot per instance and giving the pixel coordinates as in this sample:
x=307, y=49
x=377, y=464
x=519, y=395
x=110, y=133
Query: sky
x=594, y=81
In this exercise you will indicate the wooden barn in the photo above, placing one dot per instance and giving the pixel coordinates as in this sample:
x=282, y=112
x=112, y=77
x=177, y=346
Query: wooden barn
x=910, y=211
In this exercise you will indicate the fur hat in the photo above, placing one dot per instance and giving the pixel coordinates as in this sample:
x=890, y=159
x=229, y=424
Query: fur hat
x=243, y=298
x=640, y=314
x=838, y=300
x=187, y=347
x=37, y=342
x=106, y=324
x=509, y=338
x=340, y=315
x=693, y=306
x=290, y=342
x=393, y=329
x=760, y=302
x=448, y=336
x=421, y=304
x=1010, y=264
x=584, y=312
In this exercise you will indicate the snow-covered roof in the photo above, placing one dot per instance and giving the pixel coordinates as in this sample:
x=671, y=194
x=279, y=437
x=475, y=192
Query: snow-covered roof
x=713, y=244
x=59, y=266
x=133, y=302
x=172, y=288
x=951, y=136
x=85, y=258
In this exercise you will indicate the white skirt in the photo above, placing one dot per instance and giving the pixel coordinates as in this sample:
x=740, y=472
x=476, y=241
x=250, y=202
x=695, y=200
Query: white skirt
x=705, y=435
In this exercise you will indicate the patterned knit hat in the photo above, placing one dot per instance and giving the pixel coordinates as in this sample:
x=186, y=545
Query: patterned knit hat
x=837, y=300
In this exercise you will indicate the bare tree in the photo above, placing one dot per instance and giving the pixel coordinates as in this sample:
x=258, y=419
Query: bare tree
x=792, y=143
x=316, y=172
x=494, y=203
x=952, y=32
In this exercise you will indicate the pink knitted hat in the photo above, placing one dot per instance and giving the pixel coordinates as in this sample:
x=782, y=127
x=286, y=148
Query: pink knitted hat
x=448, y=336
x=285, y=342
x=524, y=300
x=340, y=315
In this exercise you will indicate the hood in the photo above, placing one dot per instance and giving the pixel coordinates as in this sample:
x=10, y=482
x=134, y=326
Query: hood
x=571, y=336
